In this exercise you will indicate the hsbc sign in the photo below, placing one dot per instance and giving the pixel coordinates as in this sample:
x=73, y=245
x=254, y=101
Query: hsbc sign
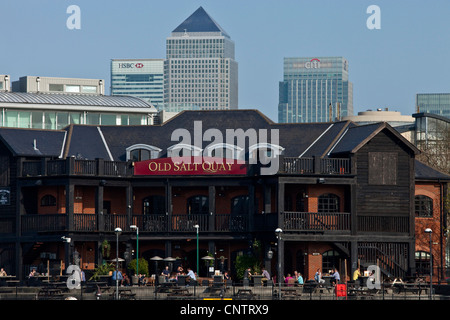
x=130, y=65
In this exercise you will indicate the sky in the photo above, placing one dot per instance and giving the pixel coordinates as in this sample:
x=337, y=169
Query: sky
x=408, y=54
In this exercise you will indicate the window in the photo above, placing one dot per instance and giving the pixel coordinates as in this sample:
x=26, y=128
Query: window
x=48, y=201
x=330, y=260
x=240, y=205
x=55, y=87
x=423, y=206
x=141, y=152
x=328, y=203
x=197, y=205
x=154, y=205
x=422, y=259
x=89, y=89
x=382, y=168
x=183, y=150
x=71, y=88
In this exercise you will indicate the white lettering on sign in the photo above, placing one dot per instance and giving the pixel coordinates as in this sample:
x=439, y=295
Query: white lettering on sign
x=313, y=64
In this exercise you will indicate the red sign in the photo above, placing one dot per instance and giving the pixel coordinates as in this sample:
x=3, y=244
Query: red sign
x=190, y=166
x=139, y=65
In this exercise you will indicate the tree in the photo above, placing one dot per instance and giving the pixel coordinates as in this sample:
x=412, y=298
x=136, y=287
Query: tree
x=143, y=266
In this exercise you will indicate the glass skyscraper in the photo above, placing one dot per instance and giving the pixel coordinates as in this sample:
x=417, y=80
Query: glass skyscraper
x=315, y=89
x=200, y=69
x=141, y=78
x=435, y=103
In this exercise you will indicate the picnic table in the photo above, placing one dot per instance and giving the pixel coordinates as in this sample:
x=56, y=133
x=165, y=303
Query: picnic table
x=290, y=293
x=245, y=294
x=179, y=292
x=50, y=293
x=124, y=294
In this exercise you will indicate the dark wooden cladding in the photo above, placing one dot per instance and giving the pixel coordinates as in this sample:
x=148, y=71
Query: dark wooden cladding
x=390, y=196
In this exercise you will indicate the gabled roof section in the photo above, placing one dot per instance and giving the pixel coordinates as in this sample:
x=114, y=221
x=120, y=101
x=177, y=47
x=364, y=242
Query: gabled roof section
x=33, y=142
x=356, y=137
x=73, y=99
x=86, y=142
x=425, y=172
x=200, y=21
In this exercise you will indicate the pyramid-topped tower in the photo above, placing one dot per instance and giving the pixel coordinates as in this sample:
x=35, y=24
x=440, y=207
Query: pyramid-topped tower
x=200, y=70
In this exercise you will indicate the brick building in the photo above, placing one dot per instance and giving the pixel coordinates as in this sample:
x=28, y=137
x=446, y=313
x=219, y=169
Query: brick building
x=344, y=195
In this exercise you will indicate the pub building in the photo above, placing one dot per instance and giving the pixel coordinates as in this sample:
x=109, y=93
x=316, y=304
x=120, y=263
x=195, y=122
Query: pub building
x=344, y=195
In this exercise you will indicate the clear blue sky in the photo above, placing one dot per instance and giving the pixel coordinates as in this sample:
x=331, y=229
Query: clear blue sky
x=410, y=53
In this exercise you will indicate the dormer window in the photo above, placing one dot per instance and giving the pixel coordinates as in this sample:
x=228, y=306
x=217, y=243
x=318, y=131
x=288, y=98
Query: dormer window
x=141, y=152
x=183, y=150
x=266, y=150
x=225, y=150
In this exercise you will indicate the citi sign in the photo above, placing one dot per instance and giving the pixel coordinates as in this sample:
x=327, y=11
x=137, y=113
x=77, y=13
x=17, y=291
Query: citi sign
x=130, y=65
x=313, y=64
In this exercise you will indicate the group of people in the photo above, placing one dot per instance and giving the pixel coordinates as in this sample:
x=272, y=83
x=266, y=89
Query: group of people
x=336, y=278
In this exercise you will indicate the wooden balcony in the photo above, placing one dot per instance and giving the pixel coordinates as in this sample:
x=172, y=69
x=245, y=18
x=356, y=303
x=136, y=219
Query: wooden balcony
x=315, y=221
x=176, y=223
x=103, y=168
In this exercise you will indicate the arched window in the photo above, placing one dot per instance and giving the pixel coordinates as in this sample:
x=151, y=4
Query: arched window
x=224, y=150
x=183, y=150
x=240, y=205
x=422, y=262
x=423, y=206
x=197, y=205
x=154, y=205
x=267, y=150
x=141, y=152
x=330, y=260
x=48, y=201
x=328, y=202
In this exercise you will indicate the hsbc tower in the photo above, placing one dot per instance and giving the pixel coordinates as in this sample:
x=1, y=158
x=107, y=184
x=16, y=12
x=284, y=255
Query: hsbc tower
x=141, y=78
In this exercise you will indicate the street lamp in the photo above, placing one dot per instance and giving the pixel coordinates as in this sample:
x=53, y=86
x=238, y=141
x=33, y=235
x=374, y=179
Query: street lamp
x=135, y=227
x=118, y=231
x=198, y=259
x=429, y=231
x=278, y=232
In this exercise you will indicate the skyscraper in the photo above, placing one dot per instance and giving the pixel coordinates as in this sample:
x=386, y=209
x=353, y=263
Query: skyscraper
x=315, y=89
x=141, y=78
x=435, y=103
x=200, y=69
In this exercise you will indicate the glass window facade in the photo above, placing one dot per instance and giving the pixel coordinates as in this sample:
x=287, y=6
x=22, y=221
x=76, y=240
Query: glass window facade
x=310, y=85
x=139, y=78
x=435, y=103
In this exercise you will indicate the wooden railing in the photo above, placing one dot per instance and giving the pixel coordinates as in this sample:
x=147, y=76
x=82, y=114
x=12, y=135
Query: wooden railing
x=146, y=223
x=390, y=224
x=315, y=221
x=295, y=165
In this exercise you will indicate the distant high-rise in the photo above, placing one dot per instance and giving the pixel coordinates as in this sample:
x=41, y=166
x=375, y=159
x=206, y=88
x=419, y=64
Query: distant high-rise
x=434, y=103
x=200, y=69
x=315, y=89
x=141, y=78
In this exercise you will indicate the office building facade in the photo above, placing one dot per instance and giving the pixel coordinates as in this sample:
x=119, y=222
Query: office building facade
x=141, y=78
x=315, y=89
x=433, y=103
x=36, y=84
x=200, y=69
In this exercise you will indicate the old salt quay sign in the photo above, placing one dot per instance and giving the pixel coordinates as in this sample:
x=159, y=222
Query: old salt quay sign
x=190, y=166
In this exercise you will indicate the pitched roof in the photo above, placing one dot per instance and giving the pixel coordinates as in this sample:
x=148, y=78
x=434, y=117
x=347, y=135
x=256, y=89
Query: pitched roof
x=200, y=21
x=73, y=99
x=425, y=172
x=33, y=142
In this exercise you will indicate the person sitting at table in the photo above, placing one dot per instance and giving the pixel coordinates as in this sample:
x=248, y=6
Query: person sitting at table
x=2, y=273
x=336, y=277
x=247, y=274
x=125, y=281
x=166, y=274
x=191, y=274
x=32, y=273
x=300, y=278
x=357, y=274
x=265, y=274
x=286, y=280
x=318, y=277
x=226, y=276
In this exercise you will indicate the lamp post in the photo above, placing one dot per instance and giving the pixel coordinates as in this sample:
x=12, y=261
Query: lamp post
x=278, y=232
x=118, y=231
x=134, y=227
x=198, y=259
x=429, y=231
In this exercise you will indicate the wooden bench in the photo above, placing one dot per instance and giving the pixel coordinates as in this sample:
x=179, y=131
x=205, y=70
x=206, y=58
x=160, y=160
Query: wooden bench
x=50, y=294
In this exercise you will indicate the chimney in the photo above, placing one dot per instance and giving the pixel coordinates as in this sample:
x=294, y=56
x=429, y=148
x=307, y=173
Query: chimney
x=7, y=83
x=38, y=82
